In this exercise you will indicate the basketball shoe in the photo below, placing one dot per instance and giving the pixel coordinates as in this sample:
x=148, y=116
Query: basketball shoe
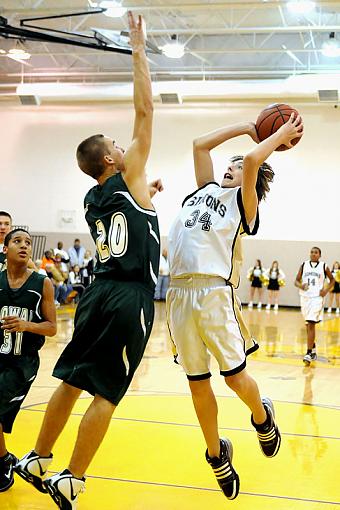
x=310, y=356
x=6, y=471
x=32, y=468
x=64, y=489
x=268, y=433
x=226, y=475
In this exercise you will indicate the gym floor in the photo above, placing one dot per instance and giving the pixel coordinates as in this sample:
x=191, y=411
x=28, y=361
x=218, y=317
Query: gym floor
x=153, y=455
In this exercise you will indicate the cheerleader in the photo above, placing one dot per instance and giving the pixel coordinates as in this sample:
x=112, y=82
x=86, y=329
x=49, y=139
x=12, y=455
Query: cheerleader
x=335, y=292
x=256, y=276
x=276, y=279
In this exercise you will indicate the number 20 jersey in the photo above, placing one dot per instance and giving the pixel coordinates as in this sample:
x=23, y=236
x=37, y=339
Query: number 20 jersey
x=126, y=235
x=205, y=238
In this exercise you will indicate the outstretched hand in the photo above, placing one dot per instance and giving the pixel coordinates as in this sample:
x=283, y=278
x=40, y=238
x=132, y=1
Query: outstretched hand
x=137, y=32
x=292, y=129
x=155, y=186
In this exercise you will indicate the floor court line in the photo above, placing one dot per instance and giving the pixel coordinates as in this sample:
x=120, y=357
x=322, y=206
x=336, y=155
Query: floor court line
x=179, y=394
x=193, y=425
x=209, y=489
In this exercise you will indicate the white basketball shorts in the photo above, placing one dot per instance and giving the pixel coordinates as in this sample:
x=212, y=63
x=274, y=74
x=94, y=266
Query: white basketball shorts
x=204, y=318
x=312, y=308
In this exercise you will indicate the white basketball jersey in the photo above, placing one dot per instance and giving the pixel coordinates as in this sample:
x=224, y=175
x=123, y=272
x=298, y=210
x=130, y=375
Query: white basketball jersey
x=205, y=238
x=313, y=273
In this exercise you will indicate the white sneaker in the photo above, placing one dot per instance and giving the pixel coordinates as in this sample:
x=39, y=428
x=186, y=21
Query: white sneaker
x=33, y=468
x=276, y=307
x=329, y=310
x=268, y=307
x=259, y=305
x=64, y=489
x=250, y=304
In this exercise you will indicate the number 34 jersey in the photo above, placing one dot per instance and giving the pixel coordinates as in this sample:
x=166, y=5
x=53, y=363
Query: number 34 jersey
x=205, y=238
x=126, y=235
x=314, y=274
x=25, y=303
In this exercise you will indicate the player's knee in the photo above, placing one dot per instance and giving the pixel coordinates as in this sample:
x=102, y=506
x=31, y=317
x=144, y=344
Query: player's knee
x=200, y=388
x=236, y=382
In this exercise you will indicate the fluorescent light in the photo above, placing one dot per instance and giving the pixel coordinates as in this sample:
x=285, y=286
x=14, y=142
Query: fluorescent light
x=18, y=54
x=301, y=6
x=113, y=9
x=331, y=49
x=173, y=50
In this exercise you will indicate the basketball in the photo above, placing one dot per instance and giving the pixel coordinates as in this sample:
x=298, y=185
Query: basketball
x=271, y=119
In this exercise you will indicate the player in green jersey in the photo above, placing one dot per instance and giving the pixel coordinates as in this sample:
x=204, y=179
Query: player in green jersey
x=5, y=227
x=115, y=314
x=27, y=314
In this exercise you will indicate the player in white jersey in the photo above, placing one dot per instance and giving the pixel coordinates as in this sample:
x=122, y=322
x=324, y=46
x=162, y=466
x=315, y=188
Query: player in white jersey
x=311, y=282
x=203, y=312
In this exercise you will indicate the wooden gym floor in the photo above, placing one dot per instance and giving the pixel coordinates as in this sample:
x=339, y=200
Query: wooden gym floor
x=153, y=455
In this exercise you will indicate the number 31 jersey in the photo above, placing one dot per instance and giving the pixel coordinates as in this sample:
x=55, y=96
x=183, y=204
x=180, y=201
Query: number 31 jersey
x=126, y=235
x=314, y=274
x=206, y=236
x=25, y=303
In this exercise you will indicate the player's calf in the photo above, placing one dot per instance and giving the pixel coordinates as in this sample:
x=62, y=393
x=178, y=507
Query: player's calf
x=32, y=468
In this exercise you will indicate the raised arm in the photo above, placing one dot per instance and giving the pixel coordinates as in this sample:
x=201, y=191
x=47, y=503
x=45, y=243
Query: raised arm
x=254, y=159
x=136, y=156
x=204, y=144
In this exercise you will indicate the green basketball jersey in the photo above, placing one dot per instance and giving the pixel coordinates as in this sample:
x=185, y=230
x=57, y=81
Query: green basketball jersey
x=126, y=235
x=25, y=303
x=2, y=261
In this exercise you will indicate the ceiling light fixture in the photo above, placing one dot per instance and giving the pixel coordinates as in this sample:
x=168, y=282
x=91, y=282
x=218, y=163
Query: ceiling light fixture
x=113, y=9
x=18, y=54
x=301, y=6
x=331, y=48
x=173, y=49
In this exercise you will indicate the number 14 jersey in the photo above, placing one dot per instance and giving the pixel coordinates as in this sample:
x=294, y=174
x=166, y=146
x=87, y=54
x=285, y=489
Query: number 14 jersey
x=205, y=238
x=313, y=274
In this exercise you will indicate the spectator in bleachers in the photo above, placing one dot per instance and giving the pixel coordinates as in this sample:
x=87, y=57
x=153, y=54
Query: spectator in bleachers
x=76, y=280
x=65, y=259
x=38, y=263
x=47, y=260
x=87, y=270
x=76, y=254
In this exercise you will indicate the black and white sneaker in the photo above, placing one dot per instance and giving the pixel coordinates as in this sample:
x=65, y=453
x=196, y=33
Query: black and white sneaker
x=268, y=433
x=32, y=468
x=222, y=467
x=64, y=489
x=6, y=471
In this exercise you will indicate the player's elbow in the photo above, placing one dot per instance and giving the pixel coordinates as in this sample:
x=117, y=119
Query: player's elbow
x=52, y=329
x=197, y=144
x=251, y=161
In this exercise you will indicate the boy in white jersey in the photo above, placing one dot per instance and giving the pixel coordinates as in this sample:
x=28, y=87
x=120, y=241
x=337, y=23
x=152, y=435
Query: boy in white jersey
x=203, y=313
x=311, y=282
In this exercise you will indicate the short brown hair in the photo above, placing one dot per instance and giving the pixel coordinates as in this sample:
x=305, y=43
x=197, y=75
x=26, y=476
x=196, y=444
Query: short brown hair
x=90, y=155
